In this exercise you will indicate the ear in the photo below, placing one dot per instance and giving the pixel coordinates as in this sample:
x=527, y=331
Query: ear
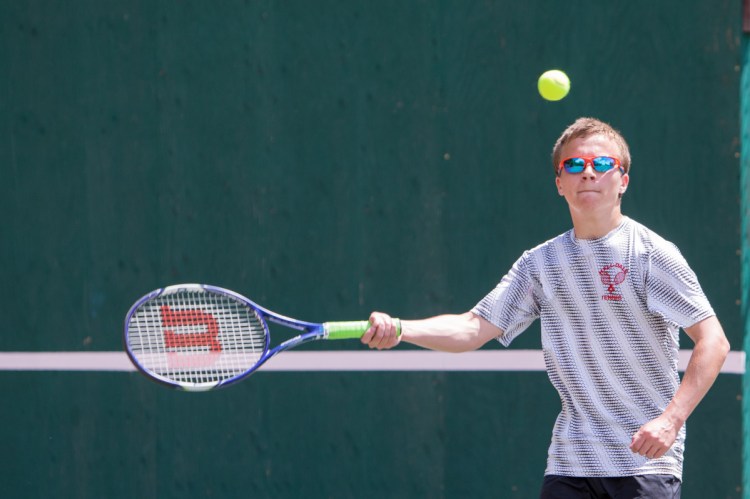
x=624, y=181
x=559, y=186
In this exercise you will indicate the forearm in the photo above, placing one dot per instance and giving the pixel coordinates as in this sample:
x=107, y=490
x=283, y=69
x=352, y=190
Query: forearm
x=655, y=437
x=709, y=353
x=449, y=333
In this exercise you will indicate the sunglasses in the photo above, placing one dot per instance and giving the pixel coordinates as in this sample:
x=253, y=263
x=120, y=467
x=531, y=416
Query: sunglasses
x=599, y=163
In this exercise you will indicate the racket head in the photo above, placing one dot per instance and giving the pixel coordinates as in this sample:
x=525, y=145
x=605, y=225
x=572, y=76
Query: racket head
x=196, y=337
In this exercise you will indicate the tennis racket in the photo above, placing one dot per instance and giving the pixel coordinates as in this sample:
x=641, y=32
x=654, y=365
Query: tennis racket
x=197, y=337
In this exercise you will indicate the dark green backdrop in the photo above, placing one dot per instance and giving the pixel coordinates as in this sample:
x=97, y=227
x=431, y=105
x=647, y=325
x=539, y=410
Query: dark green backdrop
x=327, y=159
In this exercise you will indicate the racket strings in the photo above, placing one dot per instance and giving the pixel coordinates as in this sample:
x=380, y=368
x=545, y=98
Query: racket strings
x=196, y=337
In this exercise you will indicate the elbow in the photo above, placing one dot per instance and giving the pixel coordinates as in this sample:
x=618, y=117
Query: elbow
x=719, y=346
x=725, y=346
x=709, y=337
x=468, y=343
x=463, y=347
x=475, y=343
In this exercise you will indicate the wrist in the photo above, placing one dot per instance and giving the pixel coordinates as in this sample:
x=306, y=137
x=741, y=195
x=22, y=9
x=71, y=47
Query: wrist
x=675, y=417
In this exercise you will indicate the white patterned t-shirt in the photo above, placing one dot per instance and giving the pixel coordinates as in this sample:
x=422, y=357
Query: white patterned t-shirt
x=610, y=311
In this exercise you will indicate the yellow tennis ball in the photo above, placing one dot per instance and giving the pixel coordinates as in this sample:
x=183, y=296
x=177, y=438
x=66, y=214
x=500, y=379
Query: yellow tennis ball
x=553, y=84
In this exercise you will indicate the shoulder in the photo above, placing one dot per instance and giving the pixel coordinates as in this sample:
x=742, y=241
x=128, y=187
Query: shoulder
x=655, y=249
x=547, y=253
x=557, y=243
x=650, y=241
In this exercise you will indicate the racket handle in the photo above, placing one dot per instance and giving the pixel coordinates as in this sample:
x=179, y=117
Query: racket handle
x=351, y=330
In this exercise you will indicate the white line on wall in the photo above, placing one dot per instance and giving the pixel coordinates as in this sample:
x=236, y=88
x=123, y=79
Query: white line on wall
x=404, y=360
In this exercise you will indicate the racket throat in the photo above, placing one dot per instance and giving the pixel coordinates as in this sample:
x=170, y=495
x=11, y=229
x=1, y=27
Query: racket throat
x=298, y=340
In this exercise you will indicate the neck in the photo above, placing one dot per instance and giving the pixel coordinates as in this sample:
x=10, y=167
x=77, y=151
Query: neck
x=592, y=226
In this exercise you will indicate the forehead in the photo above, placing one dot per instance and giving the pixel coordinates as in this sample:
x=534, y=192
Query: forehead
x=593, y=145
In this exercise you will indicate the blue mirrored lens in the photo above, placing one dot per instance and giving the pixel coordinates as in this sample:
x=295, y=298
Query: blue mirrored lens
x=603, y=163
x=574, y=165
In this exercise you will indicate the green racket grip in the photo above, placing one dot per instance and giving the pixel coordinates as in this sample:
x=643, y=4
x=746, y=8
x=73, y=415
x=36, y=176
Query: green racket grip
x=351, y=329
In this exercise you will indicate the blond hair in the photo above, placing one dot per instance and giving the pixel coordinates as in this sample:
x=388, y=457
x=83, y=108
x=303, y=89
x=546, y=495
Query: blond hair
x=587, y=127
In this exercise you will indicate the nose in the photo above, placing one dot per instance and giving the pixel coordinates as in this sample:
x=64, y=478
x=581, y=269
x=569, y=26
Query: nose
x=589, y=172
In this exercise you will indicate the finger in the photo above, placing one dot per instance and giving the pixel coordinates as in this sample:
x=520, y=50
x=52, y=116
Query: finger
x=652, y=449
x=654, y=452
x=391, y=339
x=367, y=337
x=642, y=444
x=636, y=443
x=378, y=327
x=385, y=335
x=646, y=451
x=376, y=321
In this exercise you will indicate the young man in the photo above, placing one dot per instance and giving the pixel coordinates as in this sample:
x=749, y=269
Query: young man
x=611, y=296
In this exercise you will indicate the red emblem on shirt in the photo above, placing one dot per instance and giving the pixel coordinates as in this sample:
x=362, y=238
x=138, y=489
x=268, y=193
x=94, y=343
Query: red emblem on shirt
x=613, y=275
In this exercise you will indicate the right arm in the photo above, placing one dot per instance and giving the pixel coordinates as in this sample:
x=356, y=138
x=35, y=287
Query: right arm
x=446, y=333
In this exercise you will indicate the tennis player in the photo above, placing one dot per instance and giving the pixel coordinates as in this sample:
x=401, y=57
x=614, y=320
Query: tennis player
x=611, y=296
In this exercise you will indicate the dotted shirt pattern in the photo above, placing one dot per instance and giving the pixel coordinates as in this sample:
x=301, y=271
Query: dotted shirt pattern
x=610, y=312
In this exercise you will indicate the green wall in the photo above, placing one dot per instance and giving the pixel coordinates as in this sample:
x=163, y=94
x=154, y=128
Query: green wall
x=745, y=230
x=327, y=159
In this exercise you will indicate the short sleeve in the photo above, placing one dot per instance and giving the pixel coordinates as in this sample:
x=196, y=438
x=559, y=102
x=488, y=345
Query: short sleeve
x=673, y=290
x=512, y=305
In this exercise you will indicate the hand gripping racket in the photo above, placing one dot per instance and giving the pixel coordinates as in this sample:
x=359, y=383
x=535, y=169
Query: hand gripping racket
x=197, y=337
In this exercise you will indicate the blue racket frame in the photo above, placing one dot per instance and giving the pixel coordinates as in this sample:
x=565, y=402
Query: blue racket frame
x=311, y=332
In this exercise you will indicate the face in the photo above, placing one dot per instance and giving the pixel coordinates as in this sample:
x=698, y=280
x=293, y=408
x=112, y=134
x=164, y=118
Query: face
x=590, y=191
